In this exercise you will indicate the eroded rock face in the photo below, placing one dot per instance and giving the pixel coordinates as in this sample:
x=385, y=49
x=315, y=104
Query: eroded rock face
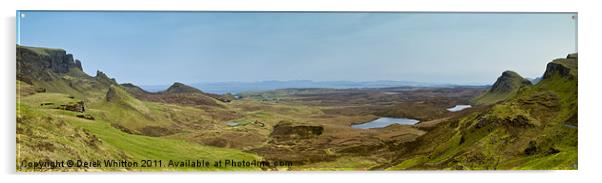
x=566, y=68
x=78, y=64
x=102, y=77
x=111, y=95
x=32, y=63
x=553, y=68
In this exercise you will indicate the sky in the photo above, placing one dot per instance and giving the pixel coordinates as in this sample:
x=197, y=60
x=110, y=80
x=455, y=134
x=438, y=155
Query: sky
x=159, y=48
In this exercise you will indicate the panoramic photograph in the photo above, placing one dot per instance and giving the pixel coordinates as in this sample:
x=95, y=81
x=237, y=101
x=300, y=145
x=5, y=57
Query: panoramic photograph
x=131, y=91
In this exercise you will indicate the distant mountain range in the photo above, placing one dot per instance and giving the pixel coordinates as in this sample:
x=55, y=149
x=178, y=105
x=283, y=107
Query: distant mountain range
x=237, y=87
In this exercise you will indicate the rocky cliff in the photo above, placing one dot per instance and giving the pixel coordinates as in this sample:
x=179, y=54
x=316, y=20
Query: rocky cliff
x=54, y=70
x=563, y=67
x=37, y=63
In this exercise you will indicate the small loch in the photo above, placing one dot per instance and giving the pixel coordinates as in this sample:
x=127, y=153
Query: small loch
x=232, y=123
x=458, y=108
x=384, y=122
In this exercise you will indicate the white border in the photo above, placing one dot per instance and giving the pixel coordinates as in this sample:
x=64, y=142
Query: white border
x=589, y=88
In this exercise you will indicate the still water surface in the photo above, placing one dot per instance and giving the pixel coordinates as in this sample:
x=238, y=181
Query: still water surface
x=384, y=122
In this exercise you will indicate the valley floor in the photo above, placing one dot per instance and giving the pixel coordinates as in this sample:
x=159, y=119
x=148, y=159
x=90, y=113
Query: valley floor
x=163, y=131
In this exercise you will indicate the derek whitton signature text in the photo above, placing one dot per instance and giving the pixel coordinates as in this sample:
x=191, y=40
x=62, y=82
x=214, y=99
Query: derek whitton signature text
x=227, y=163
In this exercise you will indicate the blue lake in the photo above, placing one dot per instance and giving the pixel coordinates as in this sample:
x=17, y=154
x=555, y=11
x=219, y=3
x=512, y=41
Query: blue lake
x=232, y=123
x=458, y=108
x=384, y=122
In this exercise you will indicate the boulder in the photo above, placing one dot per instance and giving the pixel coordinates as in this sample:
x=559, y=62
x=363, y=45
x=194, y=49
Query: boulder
x=74, y=106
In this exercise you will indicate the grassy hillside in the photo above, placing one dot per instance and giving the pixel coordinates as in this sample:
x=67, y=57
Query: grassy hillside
x=58, y=135
x=65, y=114
x=536, y=128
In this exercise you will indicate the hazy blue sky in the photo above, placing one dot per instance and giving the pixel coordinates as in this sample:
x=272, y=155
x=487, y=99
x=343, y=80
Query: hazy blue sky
x=150, y=48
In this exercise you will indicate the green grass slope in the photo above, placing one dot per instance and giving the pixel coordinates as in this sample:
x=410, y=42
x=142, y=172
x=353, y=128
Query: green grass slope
x=123, y=127
x=534, y=129
x=52, y=134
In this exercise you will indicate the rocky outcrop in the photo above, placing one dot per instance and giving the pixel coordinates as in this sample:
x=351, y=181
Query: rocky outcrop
x=111, y=95
x=103, y=78
x=55, y=70
x=74, y=106
x=564, y=67
x=33, y=63
x=116, y=94
x=78, y=64
x=47, y=64
x=57, y=60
